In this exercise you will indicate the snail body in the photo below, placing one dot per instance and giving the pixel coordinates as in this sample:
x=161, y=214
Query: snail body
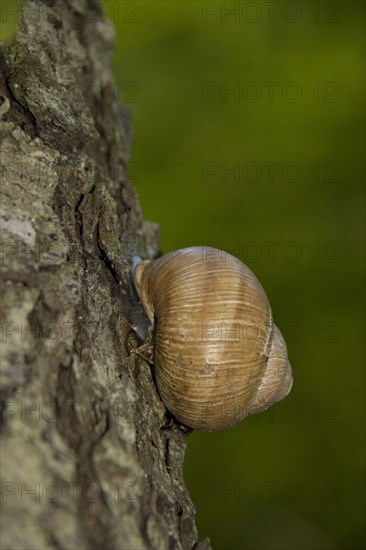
x=218, y=355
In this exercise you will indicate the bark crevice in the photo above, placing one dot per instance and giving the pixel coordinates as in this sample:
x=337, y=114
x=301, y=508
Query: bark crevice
x=90, y=456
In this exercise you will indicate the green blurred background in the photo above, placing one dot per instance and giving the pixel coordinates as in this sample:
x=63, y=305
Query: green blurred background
x=249, y=135
x=290, y=478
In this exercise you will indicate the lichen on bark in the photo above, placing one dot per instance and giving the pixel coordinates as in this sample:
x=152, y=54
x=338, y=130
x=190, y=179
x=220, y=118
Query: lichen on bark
x=90, y=456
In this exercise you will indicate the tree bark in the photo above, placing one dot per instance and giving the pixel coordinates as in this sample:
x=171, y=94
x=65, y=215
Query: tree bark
x=90, y=456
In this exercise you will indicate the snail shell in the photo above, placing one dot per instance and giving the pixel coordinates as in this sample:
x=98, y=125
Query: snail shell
x=218, y=355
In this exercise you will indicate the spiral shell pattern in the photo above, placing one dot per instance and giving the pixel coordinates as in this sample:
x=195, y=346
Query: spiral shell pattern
x=218, y=355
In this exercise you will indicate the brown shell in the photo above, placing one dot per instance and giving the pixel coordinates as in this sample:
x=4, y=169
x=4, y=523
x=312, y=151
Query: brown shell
x=218, y=355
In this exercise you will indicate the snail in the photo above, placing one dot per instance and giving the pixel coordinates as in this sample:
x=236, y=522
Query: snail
x=218, y=355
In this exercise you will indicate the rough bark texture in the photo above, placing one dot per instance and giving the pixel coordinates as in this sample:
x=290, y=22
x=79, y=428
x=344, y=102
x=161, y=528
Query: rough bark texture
x=90, y=456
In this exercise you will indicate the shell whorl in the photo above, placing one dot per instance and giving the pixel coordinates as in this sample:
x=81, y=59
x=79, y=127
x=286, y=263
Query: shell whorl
x=218, y=355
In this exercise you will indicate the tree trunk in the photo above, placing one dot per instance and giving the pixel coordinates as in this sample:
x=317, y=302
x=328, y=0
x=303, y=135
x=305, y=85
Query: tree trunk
x=90, y=456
